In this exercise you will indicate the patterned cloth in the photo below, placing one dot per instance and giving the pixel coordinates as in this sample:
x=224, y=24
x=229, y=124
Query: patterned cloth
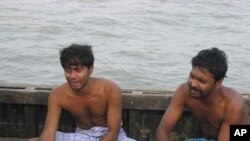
x=93, y=134
x=200, y=139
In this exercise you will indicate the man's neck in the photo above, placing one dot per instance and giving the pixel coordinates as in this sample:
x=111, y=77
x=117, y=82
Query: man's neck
x=83, y=91
x=214, y=97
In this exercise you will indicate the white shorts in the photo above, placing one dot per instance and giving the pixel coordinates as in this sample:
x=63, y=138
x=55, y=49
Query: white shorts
x=93, y=134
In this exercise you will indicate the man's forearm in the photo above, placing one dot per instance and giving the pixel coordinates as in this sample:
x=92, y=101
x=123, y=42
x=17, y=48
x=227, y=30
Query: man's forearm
x=162, y=139
x=161, y=136
x=47, y=137
x=110, y=136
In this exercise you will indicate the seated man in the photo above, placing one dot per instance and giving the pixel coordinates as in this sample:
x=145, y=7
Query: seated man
x=95, y=103
x=214, y=105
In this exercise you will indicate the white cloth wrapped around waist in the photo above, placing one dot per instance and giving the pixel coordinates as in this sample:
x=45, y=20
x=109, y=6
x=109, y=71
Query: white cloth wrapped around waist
x=93, y=134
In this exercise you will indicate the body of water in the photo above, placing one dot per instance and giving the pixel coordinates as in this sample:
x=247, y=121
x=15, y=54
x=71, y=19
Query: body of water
x=140, y=44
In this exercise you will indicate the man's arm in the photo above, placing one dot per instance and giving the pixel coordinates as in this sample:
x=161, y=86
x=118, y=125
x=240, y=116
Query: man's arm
x=239, y=116
x=52, y=118
x=171, y=116
x=114, y=113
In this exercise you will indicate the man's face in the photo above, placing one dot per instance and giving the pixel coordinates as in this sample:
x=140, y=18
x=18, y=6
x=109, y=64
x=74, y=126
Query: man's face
x=77, y=76
x=201, y=83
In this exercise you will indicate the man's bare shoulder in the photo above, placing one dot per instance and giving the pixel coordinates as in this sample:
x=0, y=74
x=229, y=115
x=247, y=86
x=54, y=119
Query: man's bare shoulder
x=235, y=104
x=60, y=89
x=233, y=98
x=107, y=86
x=106, y=83
x=181, y=95
x=182, y=89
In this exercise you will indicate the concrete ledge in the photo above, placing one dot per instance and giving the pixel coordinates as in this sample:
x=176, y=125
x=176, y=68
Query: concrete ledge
x=23, y=110
x=132, y=99
x=12, y=139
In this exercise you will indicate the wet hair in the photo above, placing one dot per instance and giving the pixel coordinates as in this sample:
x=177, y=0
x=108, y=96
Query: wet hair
x=77, y=54
x=214, y=60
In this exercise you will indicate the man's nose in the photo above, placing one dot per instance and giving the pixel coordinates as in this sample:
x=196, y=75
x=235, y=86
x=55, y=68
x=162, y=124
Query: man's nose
x=72, y=74
x=193, y=83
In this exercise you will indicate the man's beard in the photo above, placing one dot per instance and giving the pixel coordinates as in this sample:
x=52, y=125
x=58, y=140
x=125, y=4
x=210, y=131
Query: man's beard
x=77, y=86
x=195, y=93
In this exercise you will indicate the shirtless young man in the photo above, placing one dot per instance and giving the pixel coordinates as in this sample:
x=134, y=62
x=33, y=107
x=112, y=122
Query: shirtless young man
x=215, y=106
x=95, y=103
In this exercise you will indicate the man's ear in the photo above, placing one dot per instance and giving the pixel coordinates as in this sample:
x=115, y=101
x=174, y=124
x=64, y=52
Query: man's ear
x=91, y=70
x=218, y=83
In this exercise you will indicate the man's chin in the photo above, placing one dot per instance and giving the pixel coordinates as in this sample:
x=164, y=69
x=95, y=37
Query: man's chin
x=76, y=87
x=195, y=95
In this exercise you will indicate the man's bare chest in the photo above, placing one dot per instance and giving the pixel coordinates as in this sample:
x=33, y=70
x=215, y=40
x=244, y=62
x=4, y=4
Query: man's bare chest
x=91, y=107
x=208, y=115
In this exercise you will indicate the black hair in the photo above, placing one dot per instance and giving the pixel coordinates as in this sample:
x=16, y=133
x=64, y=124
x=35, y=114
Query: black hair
x=77, y=54
x=214, y=60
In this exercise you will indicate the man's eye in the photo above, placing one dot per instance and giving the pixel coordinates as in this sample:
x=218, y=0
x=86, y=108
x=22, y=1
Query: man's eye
x=202, y=81
x=78, y=69
x=67, y=70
